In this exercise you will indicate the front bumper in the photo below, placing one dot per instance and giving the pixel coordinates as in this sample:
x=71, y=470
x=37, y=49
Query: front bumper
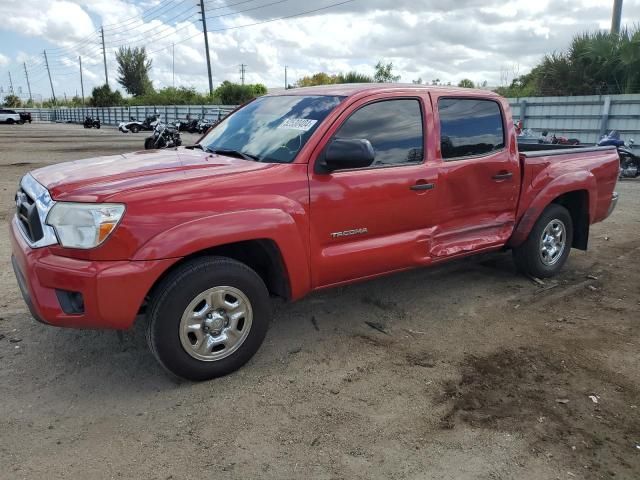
x=113, y=291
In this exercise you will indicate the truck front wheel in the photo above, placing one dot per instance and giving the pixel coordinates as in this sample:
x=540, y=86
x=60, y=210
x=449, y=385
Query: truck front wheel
x=545, y=251
x=208, y=318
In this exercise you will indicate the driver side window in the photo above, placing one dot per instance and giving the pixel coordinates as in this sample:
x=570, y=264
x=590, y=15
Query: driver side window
x=394, y=128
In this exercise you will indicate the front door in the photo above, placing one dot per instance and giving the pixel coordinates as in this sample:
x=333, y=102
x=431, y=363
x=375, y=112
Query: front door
x=377, y=219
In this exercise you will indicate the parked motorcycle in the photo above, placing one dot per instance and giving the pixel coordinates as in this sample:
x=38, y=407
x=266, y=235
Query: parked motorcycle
x=189, y=125
x=165, y=135
x=629, y=160
x=134, y=126
x=90, y=122
x=204, y=125
x=555, y=140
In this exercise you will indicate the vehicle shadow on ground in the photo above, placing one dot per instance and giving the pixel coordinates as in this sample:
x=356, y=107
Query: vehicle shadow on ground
x=111, y=364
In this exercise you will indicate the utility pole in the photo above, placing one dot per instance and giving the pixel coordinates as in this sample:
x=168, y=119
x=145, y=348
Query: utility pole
x=10, y=83
x=81, y=82
x=173, y=63
x=286, y=83
x=104, y=57
x=617, y=15
x=206, y=45
x=243, y=70
x=26, y=74
x=53, y=94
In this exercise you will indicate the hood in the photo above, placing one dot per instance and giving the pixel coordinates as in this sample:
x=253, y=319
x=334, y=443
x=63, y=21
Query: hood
x=96, y=179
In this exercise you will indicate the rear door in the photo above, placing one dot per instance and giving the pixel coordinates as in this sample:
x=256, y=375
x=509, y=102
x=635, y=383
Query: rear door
x=479, y=175
x=373, y=220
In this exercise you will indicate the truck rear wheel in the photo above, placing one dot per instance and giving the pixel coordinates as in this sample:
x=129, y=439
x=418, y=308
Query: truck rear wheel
x=208, y=318
x=545, y=251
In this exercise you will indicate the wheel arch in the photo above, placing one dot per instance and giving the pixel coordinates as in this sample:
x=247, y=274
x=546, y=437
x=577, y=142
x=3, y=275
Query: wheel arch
x=261, y=255
x=576, y=191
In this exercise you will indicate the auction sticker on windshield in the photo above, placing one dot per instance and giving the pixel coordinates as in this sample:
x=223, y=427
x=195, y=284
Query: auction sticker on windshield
x=304, y=124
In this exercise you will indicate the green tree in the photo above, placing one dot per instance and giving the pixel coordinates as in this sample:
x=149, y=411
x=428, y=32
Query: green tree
x=353, y=77
x=104, y=97
x=466, y=83
x=320, y=78
x=594, y=63
x=231, y=93
x=133, y=68
x=384, y=73
x=12, y=101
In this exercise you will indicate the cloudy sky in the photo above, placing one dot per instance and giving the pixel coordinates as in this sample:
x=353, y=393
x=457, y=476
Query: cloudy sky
x=484, y=40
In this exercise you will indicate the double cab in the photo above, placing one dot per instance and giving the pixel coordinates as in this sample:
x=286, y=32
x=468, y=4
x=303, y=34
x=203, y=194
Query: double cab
x=292, y=193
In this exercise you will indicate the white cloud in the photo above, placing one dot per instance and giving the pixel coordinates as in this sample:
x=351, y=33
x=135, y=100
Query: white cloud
x=477, y=39
x=4, y=60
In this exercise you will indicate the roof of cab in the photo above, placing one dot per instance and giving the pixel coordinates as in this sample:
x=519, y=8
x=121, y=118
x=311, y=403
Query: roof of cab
x=351, y=89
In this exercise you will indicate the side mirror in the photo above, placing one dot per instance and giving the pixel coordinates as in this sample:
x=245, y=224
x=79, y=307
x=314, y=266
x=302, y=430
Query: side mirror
x=345, y=153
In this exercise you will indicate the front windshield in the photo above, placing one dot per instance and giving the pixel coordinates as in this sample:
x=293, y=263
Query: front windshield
x=271, y=129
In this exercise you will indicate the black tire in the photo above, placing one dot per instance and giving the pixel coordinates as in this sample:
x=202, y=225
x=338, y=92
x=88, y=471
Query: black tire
x=149, y=144
x=10, y=121
x=98, y=126
x=173, y=295
x=528, y=257
x=134, y=129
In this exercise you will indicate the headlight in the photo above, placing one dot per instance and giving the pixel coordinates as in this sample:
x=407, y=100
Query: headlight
x=84, y=225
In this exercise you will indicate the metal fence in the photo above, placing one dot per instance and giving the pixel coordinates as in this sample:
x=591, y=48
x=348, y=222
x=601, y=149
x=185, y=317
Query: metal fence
x=115, y=115
x=586, y=118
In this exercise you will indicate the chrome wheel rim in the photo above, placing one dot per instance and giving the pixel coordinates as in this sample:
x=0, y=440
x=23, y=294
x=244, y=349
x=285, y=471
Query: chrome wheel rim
x=553, y=242
x=216, y=323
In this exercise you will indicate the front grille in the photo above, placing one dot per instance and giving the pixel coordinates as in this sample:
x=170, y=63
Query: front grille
x=27, y=212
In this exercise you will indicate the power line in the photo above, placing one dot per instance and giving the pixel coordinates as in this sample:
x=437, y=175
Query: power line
x=123, y=29
x=137, y=17
x=299, y=14
x=143, y=36
x=247, y=9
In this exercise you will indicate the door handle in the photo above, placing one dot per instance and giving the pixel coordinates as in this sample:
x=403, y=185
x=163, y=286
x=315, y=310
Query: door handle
x=503, y=176
x=423, y=186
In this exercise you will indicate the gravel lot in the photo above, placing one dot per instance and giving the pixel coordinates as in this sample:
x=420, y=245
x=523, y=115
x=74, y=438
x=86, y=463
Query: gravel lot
x=480, y=374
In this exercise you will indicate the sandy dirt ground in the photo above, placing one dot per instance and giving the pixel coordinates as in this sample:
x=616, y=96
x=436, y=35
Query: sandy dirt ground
x=478, y=373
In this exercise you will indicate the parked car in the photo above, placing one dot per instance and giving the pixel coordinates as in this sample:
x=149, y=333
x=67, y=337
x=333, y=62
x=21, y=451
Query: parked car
x=134, y=126
x=9, y=116
x=294, y=193
x=25, y=117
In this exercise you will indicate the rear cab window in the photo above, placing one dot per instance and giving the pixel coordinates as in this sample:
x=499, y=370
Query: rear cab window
x=469, y=127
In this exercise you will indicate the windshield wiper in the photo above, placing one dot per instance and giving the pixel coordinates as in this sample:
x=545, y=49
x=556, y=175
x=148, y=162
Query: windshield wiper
x=234, y=153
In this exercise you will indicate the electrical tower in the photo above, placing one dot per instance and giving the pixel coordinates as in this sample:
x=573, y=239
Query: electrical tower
x=46, y=61
x=104, y=57
x=26, y=74
x=243, y=71
x=206, y=45
x=616, y=18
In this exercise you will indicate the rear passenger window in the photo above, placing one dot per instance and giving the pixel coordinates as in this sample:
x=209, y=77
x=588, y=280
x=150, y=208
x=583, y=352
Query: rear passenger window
x=469, y=127
x=394, y=128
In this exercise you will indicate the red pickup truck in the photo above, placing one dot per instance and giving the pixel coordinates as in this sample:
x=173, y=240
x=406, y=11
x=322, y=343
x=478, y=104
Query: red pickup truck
x=292, y=193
